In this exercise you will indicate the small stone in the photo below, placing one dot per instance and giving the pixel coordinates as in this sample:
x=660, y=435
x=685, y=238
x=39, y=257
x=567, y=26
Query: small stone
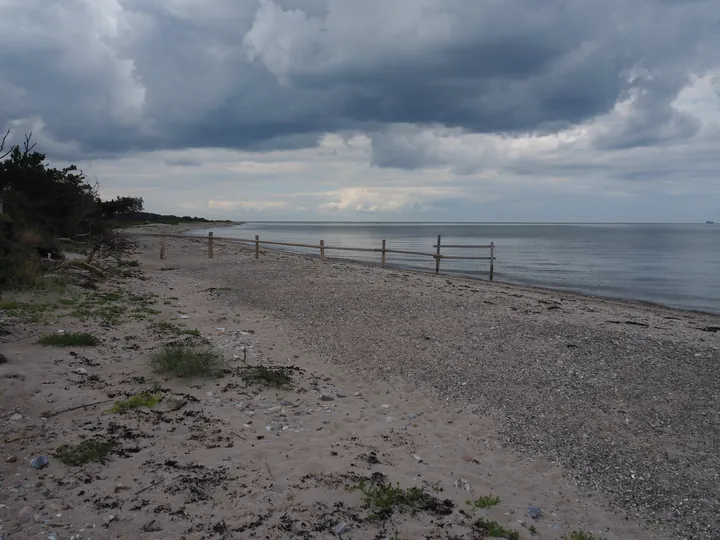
x=25, y=514
x=357, y=394
x=412, y=416
x=80, y=371
x=463, y=484
x=389, y=419
x=534, y=512
x=285, y=403
x=52, y=536
x=468, y=458
x=40, y=462
x=16, y=417
x=386, y=406
x=418, y=458
x=47, y=493
x=340, y=395
x=180, y=316
x=326, y=398
x=273, y=428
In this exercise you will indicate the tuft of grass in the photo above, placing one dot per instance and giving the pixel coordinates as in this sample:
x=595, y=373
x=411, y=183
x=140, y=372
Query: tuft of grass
x=186, y=361
x=84, y=452
x=69, y=339
x=276, y=377
x=486, y=501
x=132, y=263
x=493, y=529
x=582, y=535
x=533, y=530
x=385, y=498
x=143, y=399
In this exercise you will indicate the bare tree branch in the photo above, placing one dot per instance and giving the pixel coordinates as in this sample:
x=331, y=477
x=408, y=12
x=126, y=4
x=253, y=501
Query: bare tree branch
x=2, y=145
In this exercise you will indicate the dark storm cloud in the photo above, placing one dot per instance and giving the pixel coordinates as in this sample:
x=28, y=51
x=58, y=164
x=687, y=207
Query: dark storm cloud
x=116, y=76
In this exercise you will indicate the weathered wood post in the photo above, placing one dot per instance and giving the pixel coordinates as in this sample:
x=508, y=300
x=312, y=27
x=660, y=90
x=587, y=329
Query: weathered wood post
x=382, y=263
x=210, y=245
x=257, y=246
x=492, y=260
x=322, y=250
x=437, y=257
x=162, y=248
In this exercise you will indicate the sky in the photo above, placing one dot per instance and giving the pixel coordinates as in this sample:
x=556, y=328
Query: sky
x=376, y=110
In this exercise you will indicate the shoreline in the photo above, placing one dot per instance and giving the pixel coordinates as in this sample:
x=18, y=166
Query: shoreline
x=538, y=288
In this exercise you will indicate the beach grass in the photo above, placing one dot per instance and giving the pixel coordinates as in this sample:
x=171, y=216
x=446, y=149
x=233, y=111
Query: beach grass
x=69, y=339
x=187, y=361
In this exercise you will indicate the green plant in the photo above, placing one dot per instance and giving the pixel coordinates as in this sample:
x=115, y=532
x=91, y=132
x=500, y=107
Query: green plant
x=582, y=535
x=384, y=498
x=143, y=399
x=84, y=452
x=533, y=530
x=69, y=339
x=486, y=501
x=186, y=361
x=276, y=377
x=493, y=529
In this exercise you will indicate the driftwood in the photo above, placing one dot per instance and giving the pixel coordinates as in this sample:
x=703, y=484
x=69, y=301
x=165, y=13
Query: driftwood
x=51, y=414
x=83, y=265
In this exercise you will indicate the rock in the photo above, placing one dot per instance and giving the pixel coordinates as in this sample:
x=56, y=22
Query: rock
x=412, y=416
x=463, y=484
x=52, y=536
x=418, y=458
x=16, y=417
x=534, y=512
x=273, y=428
x=3, y=359
x=47, y=493
x=40, y=462
x=11, y=459
x=342, y=528
x=80, y=371
x=386, y=406
x=340, y=395
x=25, y=514
x=326, y=398
x=285, y=403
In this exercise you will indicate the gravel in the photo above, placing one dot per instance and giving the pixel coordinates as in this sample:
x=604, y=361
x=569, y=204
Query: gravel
x=625, y=396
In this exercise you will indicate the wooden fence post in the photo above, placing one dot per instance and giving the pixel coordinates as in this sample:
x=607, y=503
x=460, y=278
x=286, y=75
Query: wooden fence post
x=162, y=248
x=492, y=260
x=210, y=245
x=383, y=254
x=257, y=246
x=322, y=250
x=437, y=258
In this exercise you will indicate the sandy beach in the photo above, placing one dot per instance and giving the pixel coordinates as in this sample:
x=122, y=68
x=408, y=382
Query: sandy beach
x=604, y=415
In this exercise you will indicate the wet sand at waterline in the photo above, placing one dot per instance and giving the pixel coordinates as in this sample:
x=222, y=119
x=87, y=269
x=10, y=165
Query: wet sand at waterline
x=601, y=413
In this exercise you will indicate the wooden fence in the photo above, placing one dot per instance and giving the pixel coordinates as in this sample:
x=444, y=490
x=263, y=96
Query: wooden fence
x=323, y=248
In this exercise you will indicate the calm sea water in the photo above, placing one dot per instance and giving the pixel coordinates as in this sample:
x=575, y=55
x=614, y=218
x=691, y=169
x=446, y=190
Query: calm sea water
x=670, y=264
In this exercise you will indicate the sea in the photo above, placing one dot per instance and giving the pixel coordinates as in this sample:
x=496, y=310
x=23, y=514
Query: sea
x=675, y=265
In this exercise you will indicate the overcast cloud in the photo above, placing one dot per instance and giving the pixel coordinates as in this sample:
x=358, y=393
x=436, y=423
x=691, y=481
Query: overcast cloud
x=478, y=110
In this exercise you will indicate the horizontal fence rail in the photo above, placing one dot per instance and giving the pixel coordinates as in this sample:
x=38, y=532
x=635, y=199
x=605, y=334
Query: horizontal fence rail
x=384, y=250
